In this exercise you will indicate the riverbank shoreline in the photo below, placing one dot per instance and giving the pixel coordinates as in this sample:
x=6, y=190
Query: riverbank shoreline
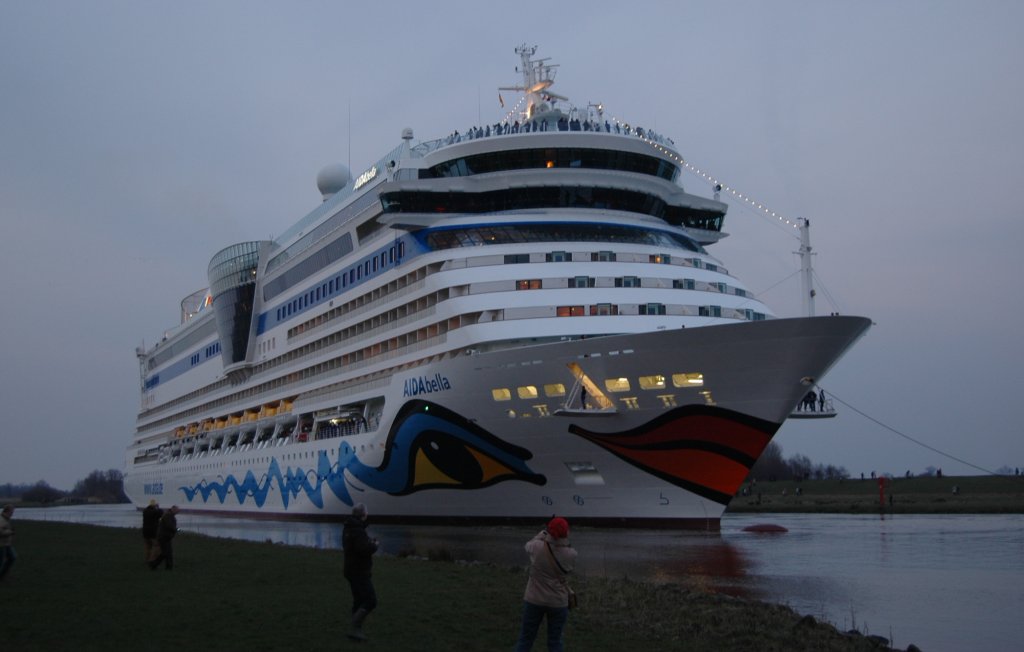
x=906, y=495
x=84, y=587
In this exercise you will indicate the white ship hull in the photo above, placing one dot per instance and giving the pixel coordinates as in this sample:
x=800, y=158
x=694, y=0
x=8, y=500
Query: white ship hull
x=446, y=450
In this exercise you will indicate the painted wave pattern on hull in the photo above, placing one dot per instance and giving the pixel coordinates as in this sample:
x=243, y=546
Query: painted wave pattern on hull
x=704, y=449
x=427, y=447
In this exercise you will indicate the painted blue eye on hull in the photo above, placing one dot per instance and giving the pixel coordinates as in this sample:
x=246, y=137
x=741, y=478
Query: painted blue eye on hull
x=458, y=450
x=427, y=447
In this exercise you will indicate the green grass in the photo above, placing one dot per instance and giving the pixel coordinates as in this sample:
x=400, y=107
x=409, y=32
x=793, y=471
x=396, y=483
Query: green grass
x=78, y=587
x=921, y=495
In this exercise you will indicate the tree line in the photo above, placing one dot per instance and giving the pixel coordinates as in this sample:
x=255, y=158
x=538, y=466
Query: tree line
x=98, y=487
x=772, y=466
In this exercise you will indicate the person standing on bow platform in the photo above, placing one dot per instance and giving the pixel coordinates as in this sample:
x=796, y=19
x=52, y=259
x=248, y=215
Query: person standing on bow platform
x=358, y=548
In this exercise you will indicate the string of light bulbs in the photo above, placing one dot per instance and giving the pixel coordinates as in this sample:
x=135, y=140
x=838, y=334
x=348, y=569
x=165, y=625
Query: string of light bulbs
x=749, y=201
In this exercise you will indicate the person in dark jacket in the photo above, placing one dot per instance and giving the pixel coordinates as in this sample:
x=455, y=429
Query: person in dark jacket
x=150, y=522
x=7, y=554
x=359, y=549
x=165, y=532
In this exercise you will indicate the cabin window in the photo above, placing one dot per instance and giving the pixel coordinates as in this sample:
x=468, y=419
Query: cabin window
x=709, y=311
x=617, y=384
x=652, y=382
x=554, y=389
x=693, y=379
x=501, y=394
x=527, y=392
x=529, y=284
x=684, y=284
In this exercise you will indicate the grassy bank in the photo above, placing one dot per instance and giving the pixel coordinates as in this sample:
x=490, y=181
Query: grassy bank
x=923, y=495
x=79, y=587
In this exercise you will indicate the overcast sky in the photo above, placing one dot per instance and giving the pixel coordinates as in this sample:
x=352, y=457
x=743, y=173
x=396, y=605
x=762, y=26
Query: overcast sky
x=139, y=138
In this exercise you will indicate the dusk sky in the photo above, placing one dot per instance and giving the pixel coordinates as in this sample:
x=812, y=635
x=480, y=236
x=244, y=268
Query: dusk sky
x=137, y=139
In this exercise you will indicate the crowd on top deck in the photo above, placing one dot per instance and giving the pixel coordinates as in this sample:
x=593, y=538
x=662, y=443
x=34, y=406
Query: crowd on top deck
x=562, y=124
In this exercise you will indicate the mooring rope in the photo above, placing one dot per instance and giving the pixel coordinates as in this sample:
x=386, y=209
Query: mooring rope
x=908, y=437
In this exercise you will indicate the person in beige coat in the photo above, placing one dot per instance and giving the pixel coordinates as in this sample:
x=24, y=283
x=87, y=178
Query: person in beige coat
x=552, y=558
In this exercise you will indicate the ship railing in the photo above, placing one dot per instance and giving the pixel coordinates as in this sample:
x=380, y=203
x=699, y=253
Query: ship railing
x=515, y=129
x=391, y=325
x=816, y=411
x=379, y=358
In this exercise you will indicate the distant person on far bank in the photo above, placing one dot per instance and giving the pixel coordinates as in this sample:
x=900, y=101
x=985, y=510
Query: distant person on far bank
x=150, y=523
x=7, y=554
x=552, y=558
x=165, y=531
x=359, y=548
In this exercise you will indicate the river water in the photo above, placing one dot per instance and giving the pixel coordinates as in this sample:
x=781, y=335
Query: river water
x=942, y=582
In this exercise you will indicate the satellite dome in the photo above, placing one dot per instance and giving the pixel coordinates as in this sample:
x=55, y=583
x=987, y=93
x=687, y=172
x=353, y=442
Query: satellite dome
x=332, y=178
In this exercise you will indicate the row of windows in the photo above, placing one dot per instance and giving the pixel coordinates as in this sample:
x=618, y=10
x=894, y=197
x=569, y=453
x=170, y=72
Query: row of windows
x=611, y=257
x=635, y=282
x=552, y=157
x=603, y=309
x=335, y=285
x=502, y=234
x=606, y=309
x=534, y=198
x=688, y=380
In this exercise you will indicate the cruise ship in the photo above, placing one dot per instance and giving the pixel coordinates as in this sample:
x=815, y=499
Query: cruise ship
x=514, y=321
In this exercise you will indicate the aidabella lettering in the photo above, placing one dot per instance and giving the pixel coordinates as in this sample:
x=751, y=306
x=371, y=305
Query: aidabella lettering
x=426, y=385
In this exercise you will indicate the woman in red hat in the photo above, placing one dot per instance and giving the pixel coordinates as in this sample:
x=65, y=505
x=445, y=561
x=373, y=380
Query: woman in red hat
x=547, y=591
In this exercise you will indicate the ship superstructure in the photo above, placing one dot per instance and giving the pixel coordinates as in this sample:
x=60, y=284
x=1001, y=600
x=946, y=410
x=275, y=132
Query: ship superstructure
x=505, y=323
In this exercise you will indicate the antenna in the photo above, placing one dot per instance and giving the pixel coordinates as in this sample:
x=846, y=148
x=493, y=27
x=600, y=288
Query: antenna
x=806, y=271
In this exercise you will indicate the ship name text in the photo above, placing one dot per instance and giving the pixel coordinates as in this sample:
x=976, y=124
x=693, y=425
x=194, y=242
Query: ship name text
x=426, y=385
x=363, y=178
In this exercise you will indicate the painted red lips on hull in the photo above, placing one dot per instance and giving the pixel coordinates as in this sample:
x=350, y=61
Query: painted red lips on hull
x=704, y=449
